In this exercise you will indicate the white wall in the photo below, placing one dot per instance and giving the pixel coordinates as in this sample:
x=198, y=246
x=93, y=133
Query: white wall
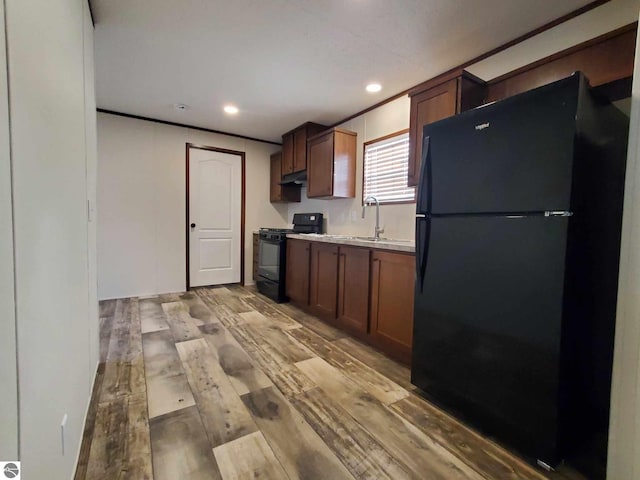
x=48, y=62
x=91, y=154
x=624, y=429
x=141, y=203
x=8, y=373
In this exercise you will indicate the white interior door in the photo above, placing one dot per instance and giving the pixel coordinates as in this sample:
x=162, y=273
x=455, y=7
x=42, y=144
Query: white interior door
x=215, y=203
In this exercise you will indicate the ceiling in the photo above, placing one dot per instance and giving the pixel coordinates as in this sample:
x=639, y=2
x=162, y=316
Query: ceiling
x=284, y=62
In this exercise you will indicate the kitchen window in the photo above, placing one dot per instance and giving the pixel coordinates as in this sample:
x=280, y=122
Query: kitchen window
x=386, y=166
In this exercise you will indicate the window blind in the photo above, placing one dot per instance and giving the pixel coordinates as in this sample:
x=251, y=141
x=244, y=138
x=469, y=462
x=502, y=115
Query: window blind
x=386, y=166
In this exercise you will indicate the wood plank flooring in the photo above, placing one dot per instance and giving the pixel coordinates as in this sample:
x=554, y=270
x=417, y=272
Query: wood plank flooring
x=222, y=383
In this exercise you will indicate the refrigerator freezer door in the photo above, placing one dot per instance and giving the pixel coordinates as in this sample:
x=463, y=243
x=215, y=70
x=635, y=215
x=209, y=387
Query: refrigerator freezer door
x=513, y=156
x=487, y=326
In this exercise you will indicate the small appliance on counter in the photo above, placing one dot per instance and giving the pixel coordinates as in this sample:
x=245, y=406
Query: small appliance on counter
x=307, y=223
x=272, y=254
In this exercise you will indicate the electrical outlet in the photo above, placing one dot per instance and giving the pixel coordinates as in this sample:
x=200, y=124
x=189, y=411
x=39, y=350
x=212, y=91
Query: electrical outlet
x=63, y=425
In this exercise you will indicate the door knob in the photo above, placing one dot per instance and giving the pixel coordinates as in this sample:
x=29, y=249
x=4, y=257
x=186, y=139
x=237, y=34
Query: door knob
x=193, y=225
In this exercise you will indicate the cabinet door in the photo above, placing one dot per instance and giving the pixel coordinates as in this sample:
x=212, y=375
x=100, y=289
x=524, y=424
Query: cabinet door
x=300, y=150
x=426, y=107
x=344, y=164
x=287, y=153
x=353, y=288
x=320, y=166
x=323, y=291
x=275, y=189
x=297, y=276
x=277, y=192
x=392, y=291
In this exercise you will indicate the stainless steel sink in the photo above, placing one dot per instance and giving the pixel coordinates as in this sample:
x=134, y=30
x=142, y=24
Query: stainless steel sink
x=352, y=237
x=373, y=239
x=363, y=239
x=368, y=239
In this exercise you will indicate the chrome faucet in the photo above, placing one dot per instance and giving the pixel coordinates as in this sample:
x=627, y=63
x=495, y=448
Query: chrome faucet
x=368, y=201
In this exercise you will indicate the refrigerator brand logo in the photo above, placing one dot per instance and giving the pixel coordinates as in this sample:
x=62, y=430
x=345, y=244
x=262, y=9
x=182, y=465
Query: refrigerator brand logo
x=482, y=126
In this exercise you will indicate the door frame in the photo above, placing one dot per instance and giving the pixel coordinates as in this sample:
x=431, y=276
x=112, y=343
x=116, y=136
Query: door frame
x=242, y=207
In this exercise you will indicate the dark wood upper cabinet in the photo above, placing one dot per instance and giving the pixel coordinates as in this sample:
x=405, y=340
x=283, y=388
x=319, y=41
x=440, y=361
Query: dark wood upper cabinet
x=607, y=59
x=320, y=171
x=426, y=107
x=323, y=282
x=277, y=192
x=300, y=150
x=353, y=288
x=294, y=147
x=434, y=100
x=331, y=167
x=392, y=292
x=297, y=271
x=287, y=154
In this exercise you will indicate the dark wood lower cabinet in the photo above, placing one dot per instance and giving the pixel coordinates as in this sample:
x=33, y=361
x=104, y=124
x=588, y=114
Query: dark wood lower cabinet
x=353, y=288
x=323, y=281
x=366, y=292
x=297, y=271
x=392, y=292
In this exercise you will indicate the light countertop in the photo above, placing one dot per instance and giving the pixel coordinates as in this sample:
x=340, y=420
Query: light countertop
x=357, y=241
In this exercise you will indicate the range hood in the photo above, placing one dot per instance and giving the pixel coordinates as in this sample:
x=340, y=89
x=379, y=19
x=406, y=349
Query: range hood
x=296, y=179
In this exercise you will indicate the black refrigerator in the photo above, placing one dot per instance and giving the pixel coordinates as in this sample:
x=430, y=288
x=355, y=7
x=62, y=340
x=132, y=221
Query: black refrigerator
x=518, y=221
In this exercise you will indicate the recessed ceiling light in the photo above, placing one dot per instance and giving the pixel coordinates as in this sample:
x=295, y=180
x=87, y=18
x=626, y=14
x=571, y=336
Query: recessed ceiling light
x=374, y=87
x=181, y=106
x=231, y=109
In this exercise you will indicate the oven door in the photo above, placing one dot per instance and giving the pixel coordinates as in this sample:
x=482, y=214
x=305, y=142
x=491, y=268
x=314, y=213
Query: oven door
x=269, y=259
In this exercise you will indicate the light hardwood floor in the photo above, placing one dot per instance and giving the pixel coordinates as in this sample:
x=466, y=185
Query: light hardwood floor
x=222, y=383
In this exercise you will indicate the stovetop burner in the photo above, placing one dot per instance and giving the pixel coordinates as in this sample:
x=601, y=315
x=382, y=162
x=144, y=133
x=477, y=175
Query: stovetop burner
x=302, y=223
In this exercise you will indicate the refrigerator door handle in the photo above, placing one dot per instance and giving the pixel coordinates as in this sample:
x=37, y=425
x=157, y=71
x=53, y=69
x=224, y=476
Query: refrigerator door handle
x=423, y=225
x=558, y=213
x=423, y=202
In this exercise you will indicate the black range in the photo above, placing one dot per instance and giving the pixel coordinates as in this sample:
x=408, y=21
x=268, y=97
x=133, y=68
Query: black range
x=272, y=255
